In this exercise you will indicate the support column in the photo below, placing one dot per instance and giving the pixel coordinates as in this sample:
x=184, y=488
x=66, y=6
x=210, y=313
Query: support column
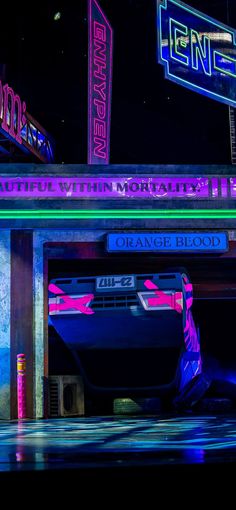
x=40, y=354
x=22, y=314
x=5, y=275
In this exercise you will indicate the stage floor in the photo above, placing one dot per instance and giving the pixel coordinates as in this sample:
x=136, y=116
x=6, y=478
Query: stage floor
x=133, y=448
x=80, y=442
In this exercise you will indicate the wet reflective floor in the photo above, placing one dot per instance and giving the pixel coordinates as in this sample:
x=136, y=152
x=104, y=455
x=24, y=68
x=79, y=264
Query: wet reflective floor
x=144, y=447
x=41, y=445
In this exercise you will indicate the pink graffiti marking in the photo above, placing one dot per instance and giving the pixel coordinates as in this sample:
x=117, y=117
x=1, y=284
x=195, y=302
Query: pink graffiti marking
x=188, y=288
x=164, y=299
x=69, y=302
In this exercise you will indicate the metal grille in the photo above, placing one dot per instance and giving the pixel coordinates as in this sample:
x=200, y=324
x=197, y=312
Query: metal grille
x=53, y=398
x=117, y=302
x=66, y=395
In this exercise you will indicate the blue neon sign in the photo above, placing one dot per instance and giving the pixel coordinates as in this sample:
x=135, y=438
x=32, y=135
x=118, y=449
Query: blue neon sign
x=189, y=242
x=197, y=51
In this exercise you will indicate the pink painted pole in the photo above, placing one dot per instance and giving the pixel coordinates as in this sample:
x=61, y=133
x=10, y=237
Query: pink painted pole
x=21, y=386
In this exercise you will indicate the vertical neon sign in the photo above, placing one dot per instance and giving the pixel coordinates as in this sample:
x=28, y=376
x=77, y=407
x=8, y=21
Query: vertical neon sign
x=99, y=85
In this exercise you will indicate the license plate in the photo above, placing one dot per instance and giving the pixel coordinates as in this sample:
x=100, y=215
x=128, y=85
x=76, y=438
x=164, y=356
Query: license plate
x=121, y=282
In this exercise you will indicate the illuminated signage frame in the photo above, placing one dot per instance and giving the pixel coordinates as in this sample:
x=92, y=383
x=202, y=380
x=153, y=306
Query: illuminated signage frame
x=116, y=187
x=183, y=60
x=24, y=189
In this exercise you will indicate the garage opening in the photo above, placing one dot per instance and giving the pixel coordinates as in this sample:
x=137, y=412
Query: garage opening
x=214, y=307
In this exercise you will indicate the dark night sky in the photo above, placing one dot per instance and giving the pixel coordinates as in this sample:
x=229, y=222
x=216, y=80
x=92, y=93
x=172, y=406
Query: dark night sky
x=153, y=120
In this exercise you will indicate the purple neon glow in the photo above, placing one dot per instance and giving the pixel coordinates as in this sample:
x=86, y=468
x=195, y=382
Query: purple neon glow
x=224, y=187
x=215, y=187
x=99, y=84
x=105, y=187
x=69, y=302
x=233, y=187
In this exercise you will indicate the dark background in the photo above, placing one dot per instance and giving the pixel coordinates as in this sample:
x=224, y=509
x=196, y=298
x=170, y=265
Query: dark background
x=153, y=120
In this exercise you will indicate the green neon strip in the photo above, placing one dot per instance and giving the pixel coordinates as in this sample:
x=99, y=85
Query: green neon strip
x=119, y=214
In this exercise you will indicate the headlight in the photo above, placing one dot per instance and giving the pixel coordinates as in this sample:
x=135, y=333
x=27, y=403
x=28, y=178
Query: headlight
x=162, y=300
x=63, y=305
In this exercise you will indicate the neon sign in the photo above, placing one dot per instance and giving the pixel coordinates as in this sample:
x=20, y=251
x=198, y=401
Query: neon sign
x=12, y=112
x=99, y=85
x=124, y=187
x=167, y=242
x=19, y=127
x=108, y=187
x=197, y=51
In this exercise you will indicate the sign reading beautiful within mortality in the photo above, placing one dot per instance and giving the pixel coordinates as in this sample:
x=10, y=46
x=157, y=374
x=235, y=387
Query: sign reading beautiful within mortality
x=197, y=51
x=202, y=242
x=105, y=187
x=99, y=85
x=117, y=187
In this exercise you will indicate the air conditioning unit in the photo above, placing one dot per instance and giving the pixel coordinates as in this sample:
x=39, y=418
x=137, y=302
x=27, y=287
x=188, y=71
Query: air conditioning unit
x=66, y=396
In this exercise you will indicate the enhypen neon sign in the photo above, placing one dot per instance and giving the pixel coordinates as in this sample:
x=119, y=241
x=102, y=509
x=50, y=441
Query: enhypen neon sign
x=99, y=85
x=197, y=51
